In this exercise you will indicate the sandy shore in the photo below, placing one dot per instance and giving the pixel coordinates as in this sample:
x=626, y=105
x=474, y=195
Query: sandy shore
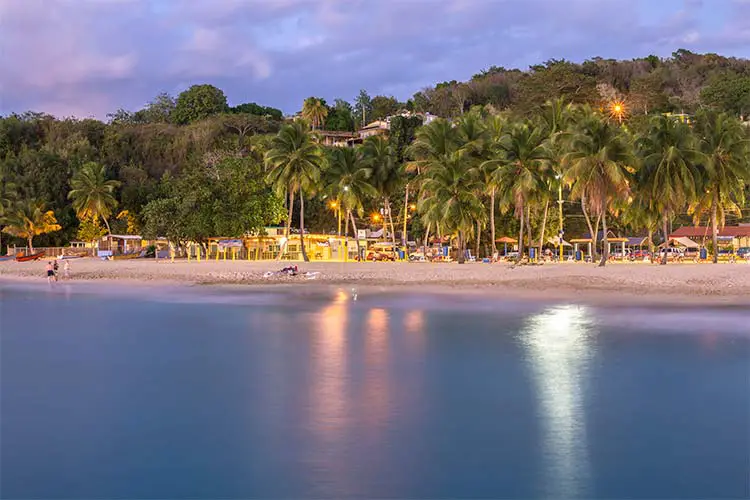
x=616, y=283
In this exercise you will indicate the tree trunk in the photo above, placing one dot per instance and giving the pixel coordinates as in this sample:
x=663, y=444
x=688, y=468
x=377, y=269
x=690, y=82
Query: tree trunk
x=714, y=230
x=354, y=228
x=302, y=227
x=109, y=231
x=393, y=228
x=544, y=226
x=427, y=236
x=605, y=239
x=479, y=235
x=288, y=227
x=31, y=246
x=665, y=223
x=461, y=257
x=346, y=223
x=406, y=216
x=595, y=237
x=492, y=221
x=588, y=223
x=520, y=234
x=651, y=244
x=528, y=227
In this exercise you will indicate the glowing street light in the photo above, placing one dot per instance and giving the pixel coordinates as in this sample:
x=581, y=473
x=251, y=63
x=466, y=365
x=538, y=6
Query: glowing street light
x=617, y=110
x=335, y=207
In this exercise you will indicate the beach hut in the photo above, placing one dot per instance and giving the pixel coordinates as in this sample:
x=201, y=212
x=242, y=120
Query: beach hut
x=505, y=240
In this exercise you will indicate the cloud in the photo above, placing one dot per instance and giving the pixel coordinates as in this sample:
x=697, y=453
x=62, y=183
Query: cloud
x=90, y=57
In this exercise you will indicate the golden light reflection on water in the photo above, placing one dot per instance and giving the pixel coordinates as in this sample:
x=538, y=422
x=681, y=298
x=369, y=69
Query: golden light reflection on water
x=414, y=327
x=558, y=342
x=328, y=380
x=375, y=394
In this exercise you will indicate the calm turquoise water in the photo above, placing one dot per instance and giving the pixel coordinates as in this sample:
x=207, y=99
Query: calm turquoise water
x=219, y=394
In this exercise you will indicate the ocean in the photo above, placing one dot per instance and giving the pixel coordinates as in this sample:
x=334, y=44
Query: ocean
x=200, y=392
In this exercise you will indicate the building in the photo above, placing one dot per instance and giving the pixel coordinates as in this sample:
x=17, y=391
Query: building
x=335, y=137
x=732, y=237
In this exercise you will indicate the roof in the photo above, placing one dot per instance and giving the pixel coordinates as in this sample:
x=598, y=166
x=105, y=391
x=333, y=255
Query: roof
x=705, y=232
x=336, y=133
x=685, y=242
x=375, y=125
x=124, y=236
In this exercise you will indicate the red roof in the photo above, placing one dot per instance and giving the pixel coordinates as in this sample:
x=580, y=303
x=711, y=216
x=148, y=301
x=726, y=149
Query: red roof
x=702, y=231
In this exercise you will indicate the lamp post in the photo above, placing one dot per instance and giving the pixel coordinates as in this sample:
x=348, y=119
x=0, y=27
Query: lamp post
x=335, y=206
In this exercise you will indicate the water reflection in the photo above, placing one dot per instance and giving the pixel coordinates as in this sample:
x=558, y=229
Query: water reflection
x=328, y=404
x=414, y=327
x=375, y=400
x=558, y=341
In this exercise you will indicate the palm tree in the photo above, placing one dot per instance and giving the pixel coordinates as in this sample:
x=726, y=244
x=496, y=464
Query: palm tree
x=522, y=159
x=597, y=168
x=379, y=156
x=639, y=214
x=294, y=165
x=348, y=180
x=669, y=171
x=431, y=142
x=495, y=126
x=28, y=219
x=473, y=146
x=92, y=193
x=453, y=186
x=725, y=168
x=314, y=111
x=7, y=200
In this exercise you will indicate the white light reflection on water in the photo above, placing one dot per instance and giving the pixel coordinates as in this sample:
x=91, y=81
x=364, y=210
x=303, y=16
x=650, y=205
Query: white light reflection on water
x=558, y=342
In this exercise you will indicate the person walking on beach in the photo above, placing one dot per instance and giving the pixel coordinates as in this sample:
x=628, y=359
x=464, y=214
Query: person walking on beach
x=55, y=268
x=50, y=272
x=66, y=269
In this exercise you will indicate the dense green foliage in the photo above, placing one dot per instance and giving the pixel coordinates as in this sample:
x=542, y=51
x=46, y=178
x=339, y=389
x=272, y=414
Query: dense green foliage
x=193, y=167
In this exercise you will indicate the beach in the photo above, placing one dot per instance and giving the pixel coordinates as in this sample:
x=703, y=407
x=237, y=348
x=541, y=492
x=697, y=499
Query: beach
x=613, y=284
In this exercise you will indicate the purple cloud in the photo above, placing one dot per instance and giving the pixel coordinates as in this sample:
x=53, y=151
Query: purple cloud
x=89, y=57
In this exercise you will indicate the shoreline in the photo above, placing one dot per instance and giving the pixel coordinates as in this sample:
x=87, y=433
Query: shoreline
x=619, y=284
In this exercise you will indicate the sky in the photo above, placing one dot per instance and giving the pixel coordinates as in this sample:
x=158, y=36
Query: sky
x=87, y=58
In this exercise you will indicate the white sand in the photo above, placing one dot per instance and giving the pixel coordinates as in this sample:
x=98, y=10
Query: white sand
x=616, y=283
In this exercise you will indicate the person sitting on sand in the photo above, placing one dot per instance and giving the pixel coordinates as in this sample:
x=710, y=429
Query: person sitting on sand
x=50, y=272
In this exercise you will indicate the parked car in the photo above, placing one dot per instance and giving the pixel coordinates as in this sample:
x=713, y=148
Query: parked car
x=381, y=252
x=640, y=255
x=743, y=252
x=673, y=253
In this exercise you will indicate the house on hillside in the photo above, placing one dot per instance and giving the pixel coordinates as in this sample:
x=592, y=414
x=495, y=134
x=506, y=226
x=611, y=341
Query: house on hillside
x=335, y=137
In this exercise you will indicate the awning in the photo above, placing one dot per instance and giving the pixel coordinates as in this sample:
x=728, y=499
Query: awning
x=506, y=239
x=685, y=242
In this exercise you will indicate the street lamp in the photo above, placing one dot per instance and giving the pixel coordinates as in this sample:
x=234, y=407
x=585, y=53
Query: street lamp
x=335, y=206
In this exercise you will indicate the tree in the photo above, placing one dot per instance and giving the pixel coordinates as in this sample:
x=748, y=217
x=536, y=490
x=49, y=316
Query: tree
x=7, y=200
x=386, y=174
x=453, y=186
x=669, y=171
x=340, y=116
x=92, y=193
x=30, y=218
x=252, y=108
x=597, y=168
x=363, y=108
x=199, y=102
x=725, y=170
x=523, y=158
x=90, y=229
x=294, y=162
x=348, y=181
x=315, y=111
x=728, y=92
x=382, y=107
